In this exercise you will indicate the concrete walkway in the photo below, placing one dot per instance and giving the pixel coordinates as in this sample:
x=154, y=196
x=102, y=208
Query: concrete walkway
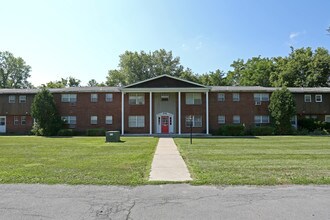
x=168, y=164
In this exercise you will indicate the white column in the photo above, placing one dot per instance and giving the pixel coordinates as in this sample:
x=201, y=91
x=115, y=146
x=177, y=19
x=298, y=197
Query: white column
x=122, y=112
x=207, y=112
x=179, y=112
x=150, y=112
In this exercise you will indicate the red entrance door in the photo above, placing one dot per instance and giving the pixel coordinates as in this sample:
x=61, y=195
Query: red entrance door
x=164, y=121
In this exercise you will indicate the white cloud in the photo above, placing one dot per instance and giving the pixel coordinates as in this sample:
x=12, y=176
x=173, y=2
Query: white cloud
x=294, y=35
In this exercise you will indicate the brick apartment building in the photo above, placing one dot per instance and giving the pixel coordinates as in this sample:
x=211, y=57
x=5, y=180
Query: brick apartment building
x=163, y=104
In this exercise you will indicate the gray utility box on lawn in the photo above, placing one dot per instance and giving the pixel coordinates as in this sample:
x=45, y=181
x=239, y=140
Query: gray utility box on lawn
x=112, y=136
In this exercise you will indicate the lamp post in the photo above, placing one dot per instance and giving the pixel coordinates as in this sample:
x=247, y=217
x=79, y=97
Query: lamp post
x=190, y=120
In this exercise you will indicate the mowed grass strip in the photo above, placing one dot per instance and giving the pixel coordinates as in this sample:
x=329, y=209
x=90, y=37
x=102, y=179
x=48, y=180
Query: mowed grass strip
x=77, y=160
x=258, y=161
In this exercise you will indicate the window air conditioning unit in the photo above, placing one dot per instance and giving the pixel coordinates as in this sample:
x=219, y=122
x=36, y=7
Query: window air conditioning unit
x=257, y=103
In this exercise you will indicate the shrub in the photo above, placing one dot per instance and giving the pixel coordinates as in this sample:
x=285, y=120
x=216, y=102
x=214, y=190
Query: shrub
x=37, y=130
x=262, y=130
x=319, y=131
x=65, y=132
x=313, y=124
x=95, y=132
x=231, y=130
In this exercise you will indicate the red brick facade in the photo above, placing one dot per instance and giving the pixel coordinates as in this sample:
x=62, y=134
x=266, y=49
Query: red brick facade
x=19, y=121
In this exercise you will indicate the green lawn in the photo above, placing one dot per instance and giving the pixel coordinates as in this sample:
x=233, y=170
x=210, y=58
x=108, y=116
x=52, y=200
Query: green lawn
x=78, y=160
x=258, y=161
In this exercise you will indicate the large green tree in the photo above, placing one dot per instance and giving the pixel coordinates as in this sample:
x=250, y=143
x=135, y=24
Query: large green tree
x=14, y=72
x=63, y=83
x=213, y=78
x=254, y=72
x=134, y=66
x=302, y=68
x=282, y=108
x=43, y=109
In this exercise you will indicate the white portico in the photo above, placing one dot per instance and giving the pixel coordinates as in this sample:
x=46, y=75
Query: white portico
x=161, y=101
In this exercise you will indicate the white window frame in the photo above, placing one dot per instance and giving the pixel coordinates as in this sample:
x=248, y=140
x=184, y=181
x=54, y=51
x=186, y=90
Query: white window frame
x=23, y=120
x=136, y=99
x=16, y=120
x=307, y=98
x=261, y=97
x=327, y=118
x=236, y=119
x=193, y=98
x=136, y=121
x=22, y=99
x=72, y=98
x=221, y=119
x=69, y=120
x=261, y=119
x=320, y=98
x=221, y=97
x=11, y=99
x=94, y=97
x=108, y=97
x=197, y=121
x=236, y=97
x=93, y=120
x=108, y=120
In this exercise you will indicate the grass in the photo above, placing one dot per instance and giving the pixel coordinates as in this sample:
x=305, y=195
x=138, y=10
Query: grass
x=258, y=161
x=78, y=160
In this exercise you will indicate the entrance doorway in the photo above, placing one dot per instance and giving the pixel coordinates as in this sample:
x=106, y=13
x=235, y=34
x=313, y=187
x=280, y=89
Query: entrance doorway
x=2, y=124
x=165, y=123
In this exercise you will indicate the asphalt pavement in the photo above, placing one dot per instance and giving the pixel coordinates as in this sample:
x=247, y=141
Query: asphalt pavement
x=172, y=201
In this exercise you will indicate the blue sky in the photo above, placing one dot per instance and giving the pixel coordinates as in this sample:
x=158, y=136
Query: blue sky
x=84, y=39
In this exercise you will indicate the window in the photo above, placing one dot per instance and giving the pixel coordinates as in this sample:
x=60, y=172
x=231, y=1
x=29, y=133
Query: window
x=221, y=119
x=235, y=97
x=136, y=121
x=12, y=99
x=327, y=118
x=136, y=99
x=69, y=98
x=164, y=97
x=196, y=121
x=261, y=119
x=69, y=120
x=93, y=120
x=318, y=98
x=236, y=119
x=108, y=97
x=193, y=98
x=261, y=97
x=16, y=121
x=221, y=97
x=94, y=97
x=23, y=120
x=308, y=98
x=293, y=121
x=22, y=99
x=108, y=120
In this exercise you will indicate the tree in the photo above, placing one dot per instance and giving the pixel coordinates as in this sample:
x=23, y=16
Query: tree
x=44, y=110
x=134, y=67
x=14, y=72
x=64, y=82
x=282, y=109
x=234, y=76
x=73, y=82
x=216, y=78
x=302, y=68
x=92, y=83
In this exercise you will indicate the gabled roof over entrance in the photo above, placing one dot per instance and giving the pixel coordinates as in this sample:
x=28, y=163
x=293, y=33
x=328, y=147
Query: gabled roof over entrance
x=165, y=81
